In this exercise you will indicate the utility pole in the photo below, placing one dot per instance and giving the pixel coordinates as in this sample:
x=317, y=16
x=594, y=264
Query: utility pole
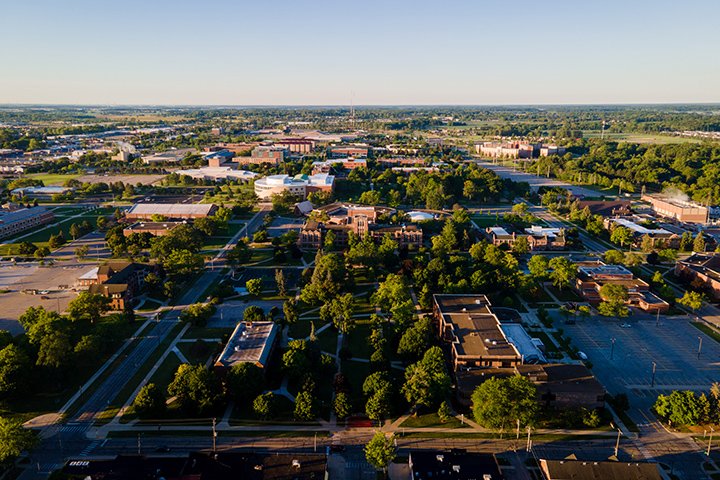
x=139, y=444
x=712, y=430
x=517, y=433
x=612, y=347
x=527, y=447
x=652, y=383
x=315, y=443
x=214, y=434
x=699, y=346
x=617, y=443
x=657, y=318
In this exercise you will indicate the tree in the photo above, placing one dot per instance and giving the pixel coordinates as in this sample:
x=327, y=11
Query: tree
x=681, y=407
x=264, y=405
x=499, y=402
x=427, y=381
x=150, y=401
x=75, y=231
x=342, y=405
x=14, y=439
x=376, y=382
x=88, y=348
x=370, y=197
x=647, y=244
x=240, y=254
x=290, y=310
x=391, y=292
x=612, y=292
x=26, y=248
x=254, y=286
x=56, y=241
x=613, y=257
x=699, y=243
x=538, y=267
x=14, y=367
x=621, y=235
x=55, y=350
x=416, y=339
x=379, y=405
x=295, y=360
x=280, y=282
x=87, y=307
x=339, y=311
x=327, y=279
x=245, y=381
x=380, y=451
x=42, y=252
x=305, y=408
x=692, y=300
x=253, y=313
x=521, y=246
x=563, y=272
x=196, y=388
x=183, y=262
x=444, y=412
x=613, y=309
x=81, y=252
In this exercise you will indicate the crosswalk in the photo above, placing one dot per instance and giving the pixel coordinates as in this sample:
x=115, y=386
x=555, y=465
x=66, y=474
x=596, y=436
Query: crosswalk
x=74, y=428
x=89, y=449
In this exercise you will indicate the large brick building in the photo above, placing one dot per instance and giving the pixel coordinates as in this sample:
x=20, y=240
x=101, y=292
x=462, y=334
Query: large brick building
x=702, y=271
x=678, y=209
x=119, y=281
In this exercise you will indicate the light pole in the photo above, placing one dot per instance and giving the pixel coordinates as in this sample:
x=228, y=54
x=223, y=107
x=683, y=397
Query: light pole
x=612, y=347
x=699, y=346
x=712, y=430
x=652, y=383
x=657, y=318
x=617, y=443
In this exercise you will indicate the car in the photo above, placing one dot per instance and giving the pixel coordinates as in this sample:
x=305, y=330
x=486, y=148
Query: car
x=625, y=325
x=44, y=297
x=582, y=355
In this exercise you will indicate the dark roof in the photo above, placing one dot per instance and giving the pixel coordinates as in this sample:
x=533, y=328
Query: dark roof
x=456, y=465
x=580, y=470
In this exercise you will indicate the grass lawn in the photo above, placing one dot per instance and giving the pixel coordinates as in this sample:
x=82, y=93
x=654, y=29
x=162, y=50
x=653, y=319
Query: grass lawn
x=284, y=411
x=431, y=420
x=206, y=332
x=261, y=255
x=165, y=373
x=356, y=372
x=198, y=352
x=357, y=340
x=327, y=340
x=565, y=295
x=484, y=221
x=301, y=329
x=149, y=305
x=707, y=330
x=53, y=178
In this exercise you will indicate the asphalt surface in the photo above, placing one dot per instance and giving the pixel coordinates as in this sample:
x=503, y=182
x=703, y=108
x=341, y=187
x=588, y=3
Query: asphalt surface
x=70, y=439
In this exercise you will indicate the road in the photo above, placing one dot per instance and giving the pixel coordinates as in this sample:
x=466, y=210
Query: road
x=73, y=434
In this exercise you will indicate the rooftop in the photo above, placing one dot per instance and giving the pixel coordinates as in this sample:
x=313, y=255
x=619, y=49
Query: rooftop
x=639, y=229
x=171, y=209
x=582, y=470
x=249, y=342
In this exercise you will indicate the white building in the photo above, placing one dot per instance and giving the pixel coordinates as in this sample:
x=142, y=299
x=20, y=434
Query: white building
x=299, y=185
x=218, y=173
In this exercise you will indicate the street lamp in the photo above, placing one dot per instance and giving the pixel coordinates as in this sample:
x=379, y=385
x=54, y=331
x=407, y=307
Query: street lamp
x=612, y=347
x=652, y=383
x=699, y=346
x=712, y=430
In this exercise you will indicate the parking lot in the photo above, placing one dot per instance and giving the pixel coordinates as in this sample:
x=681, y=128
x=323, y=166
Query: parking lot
x=628, y=365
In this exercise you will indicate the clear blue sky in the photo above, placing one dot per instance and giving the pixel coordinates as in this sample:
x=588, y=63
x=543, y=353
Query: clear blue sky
x=261, y=52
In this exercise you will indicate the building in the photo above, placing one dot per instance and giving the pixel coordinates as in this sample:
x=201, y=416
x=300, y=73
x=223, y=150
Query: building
x=345, y=151
x=349, y=163
x=170, y=156
x=402, y=161
x=264, y=155
x=156, y=229
x=608, y=470
x=170, y=211
x=591, y=278
x=296, y=145
x=678, y=209
x=564, y=385
x=299, y=185
x=42, y=193
x=119, y=281
x=455, y=465
x=13, y=222
x=517, y=150
x=606, y=208
x=249, y=343
x=237, y=148
x=218, y=174
x=346, y=219
x=200, y=466
x=661, y=236
x=702, y=271
x=218, y=157
x=539, y=238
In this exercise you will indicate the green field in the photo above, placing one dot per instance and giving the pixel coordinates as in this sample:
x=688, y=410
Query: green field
x=53, y=178
x=640, y=137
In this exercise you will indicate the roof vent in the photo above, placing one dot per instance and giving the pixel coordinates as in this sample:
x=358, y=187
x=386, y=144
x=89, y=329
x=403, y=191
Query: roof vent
x=456, y=468
x=464, y=309
x=477, y=301
x=296, y=463
x=440, y=458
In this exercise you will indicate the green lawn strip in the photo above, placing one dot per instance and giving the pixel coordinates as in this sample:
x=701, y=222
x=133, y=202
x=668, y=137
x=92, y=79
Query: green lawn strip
x=53, y=178
x=207, y=332
x=566, y=295
x=565, y=344
x=199, y=353
x=243, y=415
x=327, y=339
x=224, y=433
x=548, y=437
x=149, y=305
x=301, y=328
x=707, y=330
x=356, y=372
x=261, y=255
x=357, y=340
x=431, y=420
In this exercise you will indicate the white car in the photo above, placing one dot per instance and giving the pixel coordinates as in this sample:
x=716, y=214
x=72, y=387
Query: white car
x=625, y=325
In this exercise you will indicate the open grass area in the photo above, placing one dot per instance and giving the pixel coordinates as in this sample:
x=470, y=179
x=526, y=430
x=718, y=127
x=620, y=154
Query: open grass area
x=198, y=352
x=207, y=332
x=357, y=340
x=640, y=137
x=355, y=372
x=53, y=178
x=484, y=221
x=163, y=376
x=327, y=340
x=431, y=420
x=565, y=295
x=707, y=330
x=149, y=305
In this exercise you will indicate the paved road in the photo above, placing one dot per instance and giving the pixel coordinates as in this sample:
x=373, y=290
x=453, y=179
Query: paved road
x=73, y=435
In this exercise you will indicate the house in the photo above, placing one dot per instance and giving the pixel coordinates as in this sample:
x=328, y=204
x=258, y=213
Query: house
x=702, y=271
x=250, y=342
x=170, y=211
x=20, y=220
x=608, y=470
x=454, y=464
x=118, y=281
x=591, y=278
x=346, y=219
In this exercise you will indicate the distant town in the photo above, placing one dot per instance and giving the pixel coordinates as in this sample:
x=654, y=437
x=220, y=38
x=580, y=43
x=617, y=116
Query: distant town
x=360, y=292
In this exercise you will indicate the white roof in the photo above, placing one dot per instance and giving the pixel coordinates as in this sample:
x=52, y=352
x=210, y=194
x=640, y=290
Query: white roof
x=90, y=274
x=499, y=231
x=417, y=216
x=639, y=228
x=539, y=230
x=171, y=209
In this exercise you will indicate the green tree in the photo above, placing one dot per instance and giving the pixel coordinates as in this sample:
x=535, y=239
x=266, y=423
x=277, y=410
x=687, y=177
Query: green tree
x=264, y=405
x=444, y=412
x=380, y=451
x=521, y=246
x=612, y=292
x=87, y=307
x=305, y=406
x=254, y=286
x=14, y=368
x=686, y=242
x=75, y=231
x=81, y=252
x=391, y=292
x=42, y=252
x=26, y=248
x=699, y=243
x=253, y=313
x=692, y=300
x=416, y=339
x=183, y=262
x=57, y=241
x=245, y=381
x=342, y=405
x=197, y=389
x=150, y=401
x=14, y=439
x=563, y=272
x=197, y=314
x=379, y=405
x=538, y=265
x=370, y=197
x=291, y=311
x=427, y=381
x=647, y=244
x=499, y=402
x=682, y=408
x=621, y=235
x=280, y=282
x=327, y=279
x=339, y=311
x=240, y=254
x=55, y=350
x=613, y=257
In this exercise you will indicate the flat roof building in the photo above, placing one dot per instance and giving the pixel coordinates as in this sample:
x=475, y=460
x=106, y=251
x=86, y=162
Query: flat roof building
x=586, y=470
x=702, y=271
x=428, y=464
x=41, y=192
x=678, y=209
x=170, y=211
x=219, y=173
x=249, y=343
x=17, y=221
x=299, y=185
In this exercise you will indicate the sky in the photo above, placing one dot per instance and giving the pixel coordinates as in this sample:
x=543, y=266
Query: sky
x=392, y=52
